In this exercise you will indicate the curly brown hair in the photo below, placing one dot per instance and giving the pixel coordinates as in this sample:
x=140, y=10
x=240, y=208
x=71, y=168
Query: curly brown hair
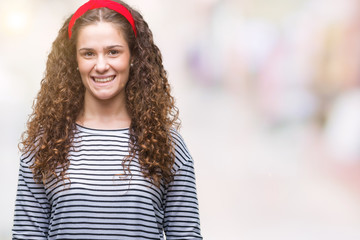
x=51, y=126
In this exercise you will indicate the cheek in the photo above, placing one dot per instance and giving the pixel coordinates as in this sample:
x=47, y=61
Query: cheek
x=119, y=66
x=84, y=67
x=83, y=71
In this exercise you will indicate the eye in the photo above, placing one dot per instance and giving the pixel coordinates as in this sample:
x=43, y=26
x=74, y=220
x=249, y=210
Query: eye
x=88, y=54
x=113, y=52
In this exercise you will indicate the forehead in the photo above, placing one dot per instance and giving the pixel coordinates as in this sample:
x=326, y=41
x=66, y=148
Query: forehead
x=100, y=33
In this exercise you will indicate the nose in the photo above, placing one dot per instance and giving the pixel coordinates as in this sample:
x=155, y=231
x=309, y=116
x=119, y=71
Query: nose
x=101, y=64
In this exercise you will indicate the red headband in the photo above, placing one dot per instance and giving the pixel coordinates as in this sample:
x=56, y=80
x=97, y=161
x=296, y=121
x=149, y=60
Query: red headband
x=92, y=4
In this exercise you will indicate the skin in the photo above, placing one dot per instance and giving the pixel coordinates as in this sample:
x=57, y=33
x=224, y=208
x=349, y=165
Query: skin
x=104, y=58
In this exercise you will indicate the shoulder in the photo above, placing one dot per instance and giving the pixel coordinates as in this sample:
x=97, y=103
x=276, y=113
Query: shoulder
x=182, y=154
x=27, y=158
x=179, y=144
x=27, y=154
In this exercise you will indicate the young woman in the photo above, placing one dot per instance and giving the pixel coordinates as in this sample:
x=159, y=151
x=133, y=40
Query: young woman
x=101, y=156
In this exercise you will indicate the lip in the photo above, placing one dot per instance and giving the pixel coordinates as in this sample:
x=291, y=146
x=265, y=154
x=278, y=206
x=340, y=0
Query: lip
x=103, y=79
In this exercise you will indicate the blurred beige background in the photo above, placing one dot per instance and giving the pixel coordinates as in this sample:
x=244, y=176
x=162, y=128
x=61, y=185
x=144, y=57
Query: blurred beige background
x=269, y=95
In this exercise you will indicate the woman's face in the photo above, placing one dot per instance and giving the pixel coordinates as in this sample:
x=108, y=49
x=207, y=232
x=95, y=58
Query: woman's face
x=103, y=57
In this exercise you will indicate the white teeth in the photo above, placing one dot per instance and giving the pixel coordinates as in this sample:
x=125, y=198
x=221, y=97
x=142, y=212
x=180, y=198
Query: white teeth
x=102, y=80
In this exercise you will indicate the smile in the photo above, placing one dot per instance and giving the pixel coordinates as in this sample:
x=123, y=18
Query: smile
x=103, y=80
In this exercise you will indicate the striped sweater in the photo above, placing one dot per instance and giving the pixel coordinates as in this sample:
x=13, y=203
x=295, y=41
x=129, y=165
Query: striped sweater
x=98, y=202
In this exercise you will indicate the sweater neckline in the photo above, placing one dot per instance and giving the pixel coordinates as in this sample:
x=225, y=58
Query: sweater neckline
x=87, y=129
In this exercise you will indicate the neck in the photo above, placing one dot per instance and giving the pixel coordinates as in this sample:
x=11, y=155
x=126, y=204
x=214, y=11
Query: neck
x=104, y=114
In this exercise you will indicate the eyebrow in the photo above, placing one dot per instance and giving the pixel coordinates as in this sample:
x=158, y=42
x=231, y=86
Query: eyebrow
x=107, y=47
x=114, y=46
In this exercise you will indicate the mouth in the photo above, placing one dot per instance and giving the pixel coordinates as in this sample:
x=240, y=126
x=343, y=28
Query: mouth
x=103, y=79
